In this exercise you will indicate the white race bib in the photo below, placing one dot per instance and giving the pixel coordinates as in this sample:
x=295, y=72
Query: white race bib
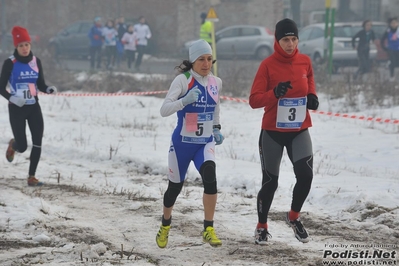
x=26, y=91
x=204, y=128
x=291, y=112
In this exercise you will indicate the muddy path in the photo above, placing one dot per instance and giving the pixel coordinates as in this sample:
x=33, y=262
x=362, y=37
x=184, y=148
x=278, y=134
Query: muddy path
x=86, y=226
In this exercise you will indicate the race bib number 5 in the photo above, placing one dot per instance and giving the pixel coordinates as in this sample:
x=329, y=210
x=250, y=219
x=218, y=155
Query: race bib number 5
x=291, y=112
x=197, y=128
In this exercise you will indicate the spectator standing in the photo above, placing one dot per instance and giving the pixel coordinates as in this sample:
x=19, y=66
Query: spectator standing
x=96, y=43
x=129, y=40
x=194, y=97
x=390, y=43
x=365, y=36
x=206, y=29
x=24, y=72
x=284, y=86
x=110, y=37
x=121, y=28
x=143, y=35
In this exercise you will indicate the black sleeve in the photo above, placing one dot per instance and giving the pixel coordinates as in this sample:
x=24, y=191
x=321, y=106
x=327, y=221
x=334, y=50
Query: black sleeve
x=354, y=38
x=382, y=40
x=4, y=77
x=41, y=84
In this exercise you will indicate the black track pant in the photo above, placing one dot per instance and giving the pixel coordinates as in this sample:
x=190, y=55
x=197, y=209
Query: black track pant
x=299, y=150
x=18, y=118
x=140, y=53
x=95, y=56
x=131, y=56
x=394, y=61
x=364, y=61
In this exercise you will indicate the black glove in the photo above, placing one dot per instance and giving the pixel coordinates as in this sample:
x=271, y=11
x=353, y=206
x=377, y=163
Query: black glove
x=313, y=102
x=281, y=89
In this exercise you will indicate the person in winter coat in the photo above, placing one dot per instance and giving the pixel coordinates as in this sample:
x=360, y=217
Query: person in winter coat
x=194, y=97
x=365, y=36
x=96, y=43
x=206, y=29
x=110, y=35
x=121, y=28
x=284, y=86
x=390, y=43
x=143, y=35
x=24, y=73
x=129, y=40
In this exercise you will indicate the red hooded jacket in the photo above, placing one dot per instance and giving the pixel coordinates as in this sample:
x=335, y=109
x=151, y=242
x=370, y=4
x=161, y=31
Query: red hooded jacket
x=281, y=67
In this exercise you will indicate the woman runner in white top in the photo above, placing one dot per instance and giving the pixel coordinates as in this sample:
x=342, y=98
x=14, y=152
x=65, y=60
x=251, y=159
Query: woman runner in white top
x=194, y=96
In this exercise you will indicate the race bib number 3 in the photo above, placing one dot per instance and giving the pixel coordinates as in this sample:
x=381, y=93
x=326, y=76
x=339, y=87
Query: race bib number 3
x=291, y=112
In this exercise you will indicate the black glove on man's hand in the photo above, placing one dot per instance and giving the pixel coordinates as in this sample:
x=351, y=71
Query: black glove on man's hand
x=281, y=89
x=313, y=102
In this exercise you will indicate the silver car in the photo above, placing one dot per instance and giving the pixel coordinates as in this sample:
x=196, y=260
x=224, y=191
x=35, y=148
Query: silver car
x=312, y=42
x=244, y=41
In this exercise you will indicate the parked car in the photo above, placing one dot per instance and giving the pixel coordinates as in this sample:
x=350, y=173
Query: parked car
x=248, y=41
x=312, y=42
x=73, y=40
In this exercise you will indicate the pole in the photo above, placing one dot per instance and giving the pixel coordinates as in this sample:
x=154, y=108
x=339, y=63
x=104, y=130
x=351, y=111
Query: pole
x=327, y=19
x=119, y=9
x=331, y=46
x=3, y=26
x=26, y=13
x=215, y=66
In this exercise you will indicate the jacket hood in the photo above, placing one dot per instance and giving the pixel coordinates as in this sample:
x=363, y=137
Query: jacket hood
x=281, y=55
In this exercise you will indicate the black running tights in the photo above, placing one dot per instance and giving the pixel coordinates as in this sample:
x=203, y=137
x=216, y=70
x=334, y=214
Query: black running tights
x=18, y=118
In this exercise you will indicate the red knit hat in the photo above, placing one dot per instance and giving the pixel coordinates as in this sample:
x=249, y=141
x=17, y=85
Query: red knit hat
x=19, y=35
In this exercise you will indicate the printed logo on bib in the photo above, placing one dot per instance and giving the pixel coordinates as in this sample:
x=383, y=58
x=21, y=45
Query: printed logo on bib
x=203, y=130
x=213, y=89
x=33, y=65
x=291, y=112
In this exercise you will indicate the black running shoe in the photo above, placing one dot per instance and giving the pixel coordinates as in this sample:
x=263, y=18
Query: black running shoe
x=261, y=236
x=299, y=229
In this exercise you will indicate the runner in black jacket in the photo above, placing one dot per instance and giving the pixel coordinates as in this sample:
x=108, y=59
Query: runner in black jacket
x=24, y=73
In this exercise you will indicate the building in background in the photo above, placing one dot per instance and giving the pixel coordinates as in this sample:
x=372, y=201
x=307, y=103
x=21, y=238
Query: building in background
x=313, y=11
x=173, y=22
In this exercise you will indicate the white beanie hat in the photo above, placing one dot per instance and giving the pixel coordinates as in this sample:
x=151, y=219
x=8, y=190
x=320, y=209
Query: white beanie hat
x=198, y=48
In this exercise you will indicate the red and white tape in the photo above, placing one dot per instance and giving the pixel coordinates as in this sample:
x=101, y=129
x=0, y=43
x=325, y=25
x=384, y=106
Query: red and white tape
x=239, y=100
x=360, y=117
x=107, y=94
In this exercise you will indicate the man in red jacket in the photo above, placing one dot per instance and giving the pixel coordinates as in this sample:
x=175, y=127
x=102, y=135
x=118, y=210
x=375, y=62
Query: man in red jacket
x=284, y=87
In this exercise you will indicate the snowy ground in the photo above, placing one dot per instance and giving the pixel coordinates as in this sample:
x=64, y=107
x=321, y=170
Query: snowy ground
x=104, y=161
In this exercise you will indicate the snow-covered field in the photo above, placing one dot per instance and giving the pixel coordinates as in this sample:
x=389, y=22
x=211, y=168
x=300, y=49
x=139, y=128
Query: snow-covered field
x=104, y=162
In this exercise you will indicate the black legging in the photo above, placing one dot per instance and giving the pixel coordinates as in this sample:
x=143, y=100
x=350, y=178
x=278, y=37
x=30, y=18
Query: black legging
x=18, y=118
x=299, y=149
x=95, y=56
x=364, y=61
x=130, y=55
x=140, y=53
x=110, y=53
x=393, y=56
